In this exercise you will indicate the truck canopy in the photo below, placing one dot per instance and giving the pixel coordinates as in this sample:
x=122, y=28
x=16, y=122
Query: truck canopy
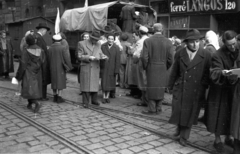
x=94, y=17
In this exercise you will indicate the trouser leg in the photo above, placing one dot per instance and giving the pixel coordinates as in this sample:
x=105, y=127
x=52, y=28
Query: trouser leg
x=144, y=97
x=94, y=98
x=185, y=132
x=85, y=97
x=44, y=91
x=236, y=146
x=122, y=75
x=152, y=105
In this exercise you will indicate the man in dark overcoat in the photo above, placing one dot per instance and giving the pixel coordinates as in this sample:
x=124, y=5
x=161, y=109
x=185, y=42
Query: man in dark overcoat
x=189, y=79
x=128, y=17
x=156, y=59
x=42, y=30
x=60, y=63
x=6, y=56
x=218, y=110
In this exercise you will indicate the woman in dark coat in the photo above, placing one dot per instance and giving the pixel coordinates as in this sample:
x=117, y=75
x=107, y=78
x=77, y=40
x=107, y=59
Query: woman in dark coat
x=110, y=67
x=30, y=73
x=189, y=78
x=60, y=63
x=6, y=56
x=218, y=110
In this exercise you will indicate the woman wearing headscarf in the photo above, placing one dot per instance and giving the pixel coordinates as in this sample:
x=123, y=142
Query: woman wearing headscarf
x=6, y=56
x=30, y=73
x=23, y=43
x=212, y=43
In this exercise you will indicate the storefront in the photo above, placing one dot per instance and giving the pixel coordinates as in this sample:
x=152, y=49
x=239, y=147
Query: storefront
x=204, y=15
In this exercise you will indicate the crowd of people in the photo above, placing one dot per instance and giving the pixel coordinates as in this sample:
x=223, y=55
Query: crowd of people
x=197, y=70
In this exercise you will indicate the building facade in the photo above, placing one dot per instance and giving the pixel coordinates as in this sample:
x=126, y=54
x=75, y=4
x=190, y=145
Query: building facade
x=178, y=16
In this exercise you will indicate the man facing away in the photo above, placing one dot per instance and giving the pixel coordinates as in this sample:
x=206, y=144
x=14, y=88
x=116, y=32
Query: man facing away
x=42, y=30
x=157, y=59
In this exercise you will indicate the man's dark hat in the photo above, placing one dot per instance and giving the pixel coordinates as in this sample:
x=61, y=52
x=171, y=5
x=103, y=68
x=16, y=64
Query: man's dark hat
x=95, y=35
x=193, y=34
x=150, y=30
x=43, y=25
x=108, y=29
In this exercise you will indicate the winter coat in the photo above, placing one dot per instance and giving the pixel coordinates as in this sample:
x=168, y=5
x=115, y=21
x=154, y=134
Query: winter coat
x=58, y=57
x=90, y=70
x=129, y=18
x=30, y=72
x=46, y=68
x=218, y=110
x=189, y=80
x=140, y=72
x=110, y=67
x=157, y=59
x=6, y=57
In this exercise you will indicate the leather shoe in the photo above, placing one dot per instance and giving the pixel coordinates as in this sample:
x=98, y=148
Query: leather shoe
x=95, y=103
x=229, y=142
x=148, y=112
x=182, y=141
x=219, y=147
x=85, y=105
x=177, y=132
x=37, y=107
x=60, y=99
x=44, y=99
x=104, y=101
x=141, y=104
x=108, y=100
x=29, y=106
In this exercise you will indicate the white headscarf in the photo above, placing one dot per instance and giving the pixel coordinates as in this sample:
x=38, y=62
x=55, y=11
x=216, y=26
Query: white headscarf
x=211, y=38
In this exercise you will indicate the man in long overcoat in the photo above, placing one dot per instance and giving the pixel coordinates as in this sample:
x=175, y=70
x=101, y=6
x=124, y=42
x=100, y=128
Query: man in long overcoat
x=218, y=110
x=89, y=53
x=156, y=58
x=129, y=17
x=60, y=63
x=42, y=30
x=6, y=56
x=189, y=79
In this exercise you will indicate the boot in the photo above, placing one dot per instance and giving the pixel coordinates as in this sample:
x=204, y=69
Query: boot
x=60, y=99
x=37, y=107
x=29, y=106
x=55, y=98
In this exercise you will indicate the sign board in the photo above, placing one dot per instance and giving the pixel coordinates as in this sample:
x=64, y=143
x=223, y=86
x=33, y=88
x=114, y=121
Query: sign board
x=203, y=6
x=179, y=22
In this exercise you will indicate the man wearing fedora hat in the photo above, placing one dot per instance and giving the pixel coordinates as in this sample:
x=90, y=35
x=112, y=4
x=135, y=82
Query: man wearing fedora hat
x=42, y=30
x=156, y=60
x=89, y=54
x=189, y=79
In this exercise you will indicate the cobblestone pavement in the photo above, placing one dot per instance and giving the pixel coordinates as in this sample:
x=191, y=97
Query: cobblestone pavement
x=99, y=133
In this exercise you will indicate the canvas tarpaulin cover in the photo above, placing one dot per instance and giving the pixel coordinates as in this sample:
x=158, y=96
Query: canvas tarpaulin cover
x=86, y=18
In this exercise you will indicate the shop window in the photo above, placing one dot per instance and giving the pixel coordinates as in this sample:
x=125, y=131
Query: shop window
x=204, y=21
x=10, y=3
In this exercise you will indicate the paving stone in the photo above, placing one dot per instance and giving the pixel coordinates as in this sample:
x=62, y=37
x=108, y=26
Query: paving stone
x=111, y=148
x=153, y=151
x=22, y=124
x=84, y=142
x=126, y=151
x=122, y=145
x=44, y=138
x=58, y=147
x=38, y=148
x=32, y=143
x=48, y=151
x=62, y=131
x=100, y=151
x=136, y=149
x=147, y=146
x=25, y=139
x=65, y=151
x=94, y=146
x=94, y=140
x=107, y=142
x=104, y=138
x=7, y=143
x=155, y=143
x=78, y=138
x=68, y=135
x=118, y=140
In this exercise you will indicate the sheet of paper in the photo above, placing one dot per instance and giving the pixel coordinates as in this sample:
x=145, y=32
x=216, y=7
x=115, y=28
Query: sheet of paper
x=236, y=72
